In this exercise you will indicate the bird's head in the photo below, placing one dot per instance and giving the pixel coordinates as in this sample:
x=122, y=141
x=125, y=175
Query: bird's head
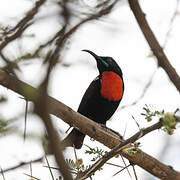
x=106, y=63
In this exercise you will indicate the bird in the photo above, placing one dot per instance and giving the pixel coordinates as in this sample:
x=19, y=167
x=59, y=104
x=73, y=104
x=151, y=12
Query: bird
x=101, y=98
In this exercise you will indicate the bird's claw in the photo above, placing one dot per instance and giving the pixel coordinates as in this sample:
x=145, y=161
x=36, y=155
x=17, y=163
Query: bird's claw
x=104, y=126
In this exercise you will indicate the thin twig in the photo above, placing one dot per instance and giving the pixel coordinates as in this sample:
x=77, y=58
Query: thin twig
x=115, y=165
x=75, y=154
x=126, y=166
x=32, y=176
x=134, y=172
x=25, y=119
x=122, y=170
x=2, y=172
x=23, y=164
x=30, y=165
x=52, y=167
x=48, y=165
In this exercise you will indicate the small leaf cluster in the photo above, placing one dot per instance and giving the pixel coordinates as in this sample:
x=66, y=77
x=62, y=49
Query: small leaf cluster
x=168, y=120
x=97, y=152
x=169, y=123
x=77, y=166
x=132, y=150
x=149, y=114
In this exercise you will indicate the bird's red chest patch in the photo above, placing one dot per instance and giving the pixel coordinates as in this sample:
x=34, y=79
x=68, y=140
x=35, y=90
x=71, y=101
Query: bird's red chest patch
x=112, y=86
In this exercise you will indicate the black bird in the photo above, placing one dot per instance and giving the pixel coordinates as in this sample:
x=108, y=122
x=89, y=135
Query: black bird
x=101, y=98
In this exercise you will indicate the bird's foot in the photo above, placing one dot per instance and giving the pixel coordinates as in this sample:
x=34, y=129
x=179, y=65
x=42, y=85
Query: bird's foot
x=104, y=126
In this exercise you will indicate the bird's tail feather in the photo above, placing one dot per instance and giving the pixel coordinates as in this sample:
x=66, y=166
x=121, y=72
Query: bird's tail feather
x=74, y=139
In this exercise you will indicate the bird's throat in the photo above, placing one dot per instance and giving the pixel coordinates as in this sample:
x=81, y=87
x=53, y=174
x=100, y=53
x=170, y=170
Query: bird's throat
x=112, y=86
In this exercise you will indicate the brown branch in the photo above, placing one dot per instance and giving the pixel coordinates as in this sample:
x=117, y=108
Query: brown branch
x=54, y=139
x=90, y=128
x=154, y=44
x=41, y=109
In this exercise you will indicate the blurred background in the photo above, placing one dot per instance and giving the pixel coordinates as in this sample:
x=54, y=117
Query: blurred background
x=116, y=34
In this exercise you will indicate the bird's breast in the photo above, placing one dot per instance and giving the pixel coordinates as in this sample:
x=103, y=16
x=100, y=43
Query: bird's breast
x=111, y=86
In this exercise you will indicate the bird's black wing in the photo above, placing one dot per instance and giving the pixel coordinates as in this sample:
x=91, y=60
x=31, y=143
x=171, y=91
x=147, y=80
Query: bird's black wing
x=90, y=97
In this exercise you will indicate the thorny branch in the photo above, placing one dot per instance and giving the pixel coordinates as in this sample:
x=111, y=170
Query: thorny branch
x=118, y=149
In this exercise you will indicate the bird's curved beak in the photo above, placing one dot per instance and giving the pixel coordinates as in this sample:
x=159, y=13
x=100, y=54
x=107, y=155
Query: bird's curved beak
x=93, y=54
x=102, y=65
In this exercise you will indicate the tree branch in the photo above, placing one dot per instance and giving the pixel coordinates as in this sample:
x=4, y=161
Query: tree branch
x=154, y=44
x=90, y=128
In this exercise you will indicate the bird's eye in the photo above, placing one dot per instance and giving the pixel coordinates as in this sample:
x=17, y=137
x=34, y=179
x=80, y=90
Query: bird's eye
x=105, y=63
